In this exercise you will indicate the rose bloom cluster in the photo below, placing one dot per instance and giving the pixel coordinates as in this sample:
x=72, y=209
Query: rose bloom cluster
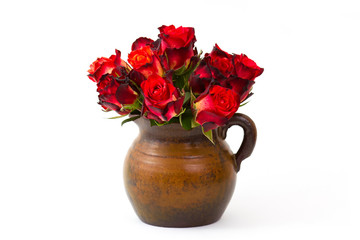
x=167, y=81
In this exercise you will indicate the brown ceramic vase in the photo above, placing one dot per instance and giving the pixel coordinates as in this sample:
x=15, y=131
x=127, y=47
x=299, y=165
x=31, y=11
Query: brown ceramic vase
x=178, y=178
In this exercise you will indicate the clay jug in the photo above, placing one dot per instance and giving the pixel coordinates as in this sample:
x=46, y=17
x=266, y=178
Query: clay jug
x=178, y=178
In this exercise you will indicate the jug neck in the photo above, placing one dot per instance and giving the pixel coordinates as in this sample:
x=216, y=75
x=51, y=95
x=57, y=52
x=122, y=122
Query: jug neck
x=170, y=132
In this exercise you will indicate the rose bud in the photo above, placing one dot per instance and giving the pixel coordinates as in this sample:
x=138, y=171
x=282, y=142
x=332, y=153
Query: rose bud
x=246, y=68
x=177, y=44
x=201, y=77
x=163, y=100
x=102, y=66
x=111, y=91
x=145, y=61
x=215, y=106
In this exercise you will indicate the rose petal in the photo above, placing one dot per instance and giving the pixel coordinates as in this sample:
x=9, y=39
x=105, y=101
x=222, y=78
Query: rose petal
x=216, y=51
x=117, y=60
x=246, y=68
x=201, y=77
x=149, y=115
x=213, y=120
x=210, y=126
x=120, y=72
x=141, y=42
x=125, y=94
x=177, y=58
x=137, y=77
x=154, y=67
x=221, y=62
x=103, y=66
x=238, y=85
x=172, y=37
x=173, y=108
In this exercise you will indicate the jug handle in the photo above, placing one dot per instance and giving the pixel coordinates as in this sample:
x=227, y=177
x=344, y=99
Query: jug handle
x=250, y=133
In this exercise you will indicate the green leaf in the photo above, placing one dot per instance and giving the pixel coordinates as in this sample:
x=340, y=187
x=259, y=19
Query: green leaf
x=160, y=124
x=193, y=64
x=152, y=122
x=187, y=97
x=135, y=112
x=116, y=117
x=208, y=134
x=182, y=111
x=244, y=104
x=137, y=87
x=131, y=107
x=156, y=123
x=181, y=70
x=179, y=81
x=186, y=119
x=174, y=120
x=194, y=124
x=129, y=120
x=193, y=97
x=248, y=96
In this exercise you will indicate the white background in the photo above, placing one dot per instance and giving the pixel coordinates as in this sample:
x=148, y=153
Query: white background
x=61, y=159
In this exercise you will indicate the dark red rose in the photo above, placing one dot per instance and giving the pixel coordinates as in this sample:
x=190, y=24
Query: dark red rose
x=215, y=106
x=201, y=77
x=176, y=46
x=103, y=66
x=239, y=85
x=221, y=61
x=145, y=61
x=236, y=72
x=141, y=42
x=125, y=94
x=246, y=68
x=114, y=94
x=172, y=37
x=163, y=100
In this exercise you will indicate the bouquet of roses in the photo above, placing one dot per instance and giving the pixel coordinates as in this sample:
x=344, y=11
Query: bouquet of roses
x=167, y=81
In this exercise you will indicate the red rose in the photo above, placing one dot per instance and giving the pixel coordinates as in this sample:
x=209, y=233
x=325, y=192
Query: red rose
x=141, y=42
x=239, y=85
x=236, y=72
x=140, y=57
x=217, y=65
x=172, y=37
x=145, y=61
x=216, y=106
x=221, y=61
x=177, y=46
x=246, y=68
x=103, y=66
x=114, y=94
x=163, y=100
